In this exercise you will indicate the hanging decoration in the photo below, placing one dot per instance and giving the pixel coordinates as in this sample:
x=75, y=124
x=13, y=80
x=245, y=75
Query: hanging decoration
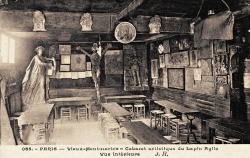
x=125, y=32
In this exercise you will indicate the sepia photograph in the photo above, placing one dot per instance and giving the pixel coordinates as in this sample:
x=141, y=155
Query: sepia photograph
x=124, y=78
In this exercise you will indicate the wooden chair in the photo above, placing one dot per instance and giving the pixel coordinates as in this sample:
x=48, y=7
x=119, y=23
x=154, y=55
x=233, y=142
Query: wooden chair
x=82, y=113
x=165, y=121
x=177, y=126
x=65, y=113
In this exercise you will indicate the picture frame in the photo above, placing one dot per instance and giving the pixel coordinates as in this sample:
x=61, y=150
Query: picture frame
x=64, y=68
x=220, y=46
x=65, y=59
x=154, y=68
x=65, y=49
x=176, y=78
x=78, y=62
x=193, y=58
x=162, y=61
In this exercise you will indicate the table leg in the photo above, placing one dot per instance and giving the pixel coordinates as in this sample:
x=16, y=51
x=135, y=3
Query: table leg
x=46, y=133
x=55, y=110
x=150, y=115
x=21, y=132
x=190, y=131
x=210, y=135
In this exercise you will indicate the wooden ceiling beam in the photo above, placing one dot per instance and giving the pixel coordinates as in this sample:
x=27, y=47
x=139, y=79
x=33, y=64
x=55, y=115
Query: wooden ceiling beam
x=130, y=8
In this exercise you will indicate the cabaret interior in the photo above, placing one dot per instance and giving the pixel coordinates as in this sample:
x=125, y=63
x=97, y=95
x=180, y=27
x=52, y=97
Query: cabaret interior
x=124, y=72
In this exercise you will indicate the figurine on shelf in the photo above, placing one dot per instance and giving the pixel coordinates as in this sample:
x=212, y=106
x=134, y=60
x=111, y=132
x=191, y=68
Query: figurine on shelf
x=33, y=89
x=155, y=24
x=95, y=58
x=39, y=21
x=86, y=22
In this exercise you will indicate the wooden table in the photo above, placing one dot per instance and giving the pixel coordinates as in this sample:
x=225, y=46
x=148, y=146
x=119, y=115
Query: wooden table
x=228, y=126
x=125, y=98
x=38, y=114
x=190, y=114
x=71, y=101
x=116, y=110
x=144, y=134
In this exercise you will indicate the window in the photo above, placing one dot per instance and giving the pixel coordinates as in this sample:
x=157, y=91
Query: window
x=7, y=51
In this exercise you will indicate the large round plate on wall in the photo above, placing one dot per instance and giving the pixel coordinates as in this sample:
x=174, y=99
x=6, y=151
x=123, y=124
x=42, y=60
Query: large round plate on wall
x=125, y=32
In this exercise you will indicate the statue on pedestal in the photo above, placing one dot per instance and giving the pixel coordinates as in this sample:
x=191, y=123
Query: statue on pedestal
x=86, y=22
x=155, y=24
x=39, y=21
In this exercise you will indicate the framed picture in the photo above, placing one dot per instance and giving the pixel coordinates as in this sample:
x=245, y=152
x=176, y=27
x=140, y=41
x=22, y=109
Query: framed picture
x=162, y=61
x=64, y=68
x=193, y=58
x=65, y=59
x=167, y=60
x=78, y=62
x=65, y=49
x=88, y=66
x=154, y=68
x=176, y=78
x=220, y=46
x=179, y=59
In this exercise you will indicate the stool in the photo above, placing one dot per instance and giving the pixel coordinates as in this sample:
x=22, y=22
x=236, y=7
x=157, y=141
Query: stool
x=66, y=113
x=128, y=107
x=82, y=113
x=139, y=110
x=165, y=118
x=176, y=126
x=112, y=131
x=223, y=140
x=156, y=116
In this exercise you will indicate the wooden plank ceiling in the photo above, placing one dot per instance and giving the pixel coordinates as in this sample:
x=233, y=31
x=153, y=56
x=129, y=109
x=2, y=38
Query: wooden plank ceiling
x=126, y=10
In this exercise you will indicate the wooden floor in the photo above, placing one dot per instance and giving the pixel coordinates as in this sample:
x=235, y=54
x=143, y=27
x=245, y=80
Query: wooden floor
x=83, y=133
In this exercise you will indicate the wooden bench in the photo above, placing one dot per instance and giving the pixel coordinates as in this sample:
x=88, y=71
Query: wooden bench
x=144, y=134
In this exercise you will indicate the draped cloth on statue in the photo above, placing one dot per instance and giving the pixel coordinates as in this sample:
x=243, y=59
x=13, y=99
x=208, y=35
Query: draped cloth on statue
x=218, y=26
x=33, y=88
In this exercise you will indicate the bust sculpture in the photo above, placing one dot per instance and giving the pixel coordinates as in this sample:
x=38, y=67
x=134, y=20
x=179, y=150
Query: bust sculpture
x=39, y=21
x=86, y=22
x=155, y=24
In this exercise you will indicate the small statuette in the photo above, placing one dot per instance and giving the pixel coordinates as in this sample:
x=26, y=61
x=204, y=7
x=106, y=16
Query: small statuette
x=39, y=21
x=155, y=24
x=86, y=22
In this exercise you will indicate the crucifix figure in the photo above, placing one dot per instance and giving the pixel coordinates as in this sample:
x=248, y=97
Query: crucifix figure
x=95, y=58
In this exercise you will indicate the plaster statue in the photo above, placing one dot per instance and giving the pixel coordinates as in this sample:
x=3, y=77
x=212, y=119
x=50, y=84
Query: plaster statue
x=33, y=84
x=39, y=21
x=86, y=22
x=95, y=57
x=135, y=69
x=155, y=24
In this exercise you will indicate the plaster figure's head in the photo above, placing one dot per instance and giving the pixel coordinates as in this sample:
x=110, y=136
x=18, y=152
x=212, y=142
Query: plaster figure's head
x=39, y=50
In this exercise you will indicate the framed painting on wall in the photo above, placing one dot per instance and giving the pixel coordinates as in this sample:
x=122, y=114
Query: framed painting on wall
x=64, y=68
x=65, y=59
x=176, y=78
x=78, y=62
x=65, y=49
x=193, y=58
x=161, y=61
x=154, y=68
